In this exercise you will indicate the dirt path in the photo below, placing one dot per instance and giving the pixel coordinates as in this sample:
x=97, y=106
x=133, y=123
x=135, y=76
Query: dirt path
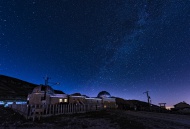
x=160, y=120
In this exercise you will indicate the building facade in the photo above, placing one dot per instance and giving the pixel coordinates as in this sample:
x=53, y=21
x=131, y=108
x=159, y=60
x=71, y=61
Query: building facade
x=44, y=95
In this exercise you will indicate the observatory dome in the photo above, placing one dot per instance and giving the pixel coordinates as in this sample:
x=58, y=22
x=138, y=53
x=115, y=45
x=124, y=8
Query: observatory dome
x=104, y=94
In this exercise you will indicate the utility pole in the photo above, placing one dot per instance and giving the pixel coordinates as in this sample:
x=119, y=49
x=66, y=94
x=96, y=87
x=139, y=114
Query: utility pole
x=148, y=97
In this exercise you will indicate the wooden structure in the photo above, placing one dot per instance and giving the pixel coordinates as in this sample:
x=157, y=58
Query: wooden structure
x=162, y=105
x=38, y=111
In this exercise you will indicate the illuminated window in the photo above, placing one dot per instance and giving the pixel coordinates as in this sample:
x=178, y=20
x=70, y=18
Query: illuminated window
x=65, y=100
x=60, y=100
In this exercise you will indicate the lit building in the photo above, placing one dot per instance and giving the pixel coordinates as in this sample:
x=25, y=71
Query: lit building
x=45, y=95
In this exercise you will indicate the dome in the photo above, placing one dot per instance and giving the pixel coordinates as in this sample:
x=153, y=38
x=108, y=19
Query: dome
x=76, y=94
x=42, y=89
x=104, y=94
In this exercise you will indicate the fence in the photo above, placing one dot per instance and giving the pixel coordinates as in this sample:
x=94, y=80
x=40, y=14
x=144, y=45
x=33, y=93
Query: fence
x=38, y=111
x=21, y=108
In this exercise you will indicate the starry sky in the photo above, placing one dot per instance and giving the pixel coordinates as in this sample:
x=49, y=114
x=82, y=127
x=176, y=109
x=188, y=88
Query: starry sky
x=125, y=47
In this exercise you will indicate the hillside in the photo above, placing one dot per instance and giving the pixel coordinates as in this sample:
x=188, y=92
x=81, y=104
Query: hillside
x=12, y=88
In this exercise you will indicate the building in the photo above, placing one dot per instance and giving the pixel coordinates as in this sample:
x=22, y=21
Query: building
x=181, y=105
x=77, y=99
x=107, y=100
x=44, y=101
x=94, y=103
x=45, y=95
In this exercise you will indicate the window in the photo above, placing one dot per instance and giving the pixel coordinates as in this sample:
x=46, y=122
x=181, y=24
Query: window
x=60, y=100
x=65, y=100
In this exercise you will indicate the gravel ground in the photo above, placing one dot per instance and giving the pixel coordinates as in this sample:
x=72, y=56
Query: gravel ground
x=107, y=119
x=159, y=120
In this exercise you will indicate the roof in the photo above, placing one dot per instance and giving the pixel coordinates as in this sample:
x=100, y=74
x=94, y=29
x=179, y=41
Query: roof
x=42, y=89
x=59, y=96
x=184, y=103
x=76, y=94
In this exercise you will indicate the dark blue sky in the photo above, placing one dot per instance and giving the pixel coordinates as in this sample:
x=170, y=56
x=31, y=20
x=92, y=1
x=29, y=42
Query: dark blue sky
x=125, y=47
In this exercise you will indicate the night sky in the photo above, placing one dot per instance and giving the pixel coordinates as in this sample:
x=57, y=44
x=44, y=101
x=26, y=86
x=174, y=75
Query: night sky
x=125, y=47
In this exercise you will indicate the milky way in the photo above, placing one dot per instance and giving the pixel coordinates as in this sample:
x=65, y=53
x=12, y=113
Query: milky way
x=125, y=47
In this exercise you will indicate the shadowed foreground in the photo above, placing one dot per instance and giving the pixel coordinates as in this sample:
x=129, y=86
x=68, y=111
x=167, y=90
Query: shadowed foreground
x=112, y=119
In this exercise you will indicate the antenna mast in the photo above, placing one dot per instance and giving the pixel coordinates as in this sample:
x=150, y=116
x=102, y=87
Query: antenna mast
x=46, y=84
x=46, y=80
